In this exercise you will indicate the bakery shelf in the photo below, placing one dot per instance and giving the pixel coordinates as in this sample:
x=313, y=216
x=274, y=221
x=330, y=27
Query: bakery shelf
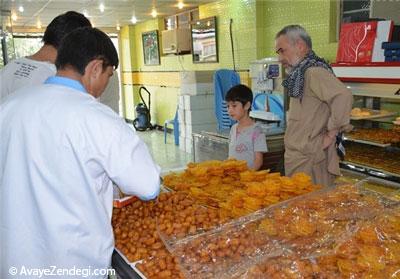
x=347, y=138
x=370, y=171
x=379, y=185
x=375, y=114
x=123, y=267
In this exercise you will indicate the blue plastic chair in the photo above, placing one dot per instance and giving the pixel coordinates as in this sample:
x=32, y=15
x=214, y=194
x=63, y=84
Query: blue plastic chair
x=223, y=81
x=175, y=124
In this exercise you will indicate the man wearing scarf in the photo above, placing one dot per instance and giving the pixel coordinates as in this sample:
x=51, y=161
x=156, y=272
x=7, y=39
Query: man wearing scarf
x=319, y=108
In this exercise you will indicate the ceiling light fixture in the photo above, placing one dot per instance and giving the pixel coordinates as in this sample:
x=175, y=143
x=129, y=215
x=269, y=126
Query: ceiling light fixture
x=118, y=27
x=101, y=7
x=39, y=24
x=154, y=13
x=134, y=19
x=180, y=5
x=21, y=9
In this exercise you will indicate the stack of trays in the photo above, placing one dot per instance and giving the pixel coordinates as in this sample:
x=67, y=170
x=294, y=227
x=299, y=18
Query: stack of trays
x=392, y=51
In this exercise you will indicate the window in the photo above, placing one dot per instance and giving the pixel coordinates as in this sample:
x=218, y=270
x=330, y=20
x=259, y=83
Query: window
x=26, y=45
x=355, y=11
x=6, y=38
x=170, y=23
x=181, y=21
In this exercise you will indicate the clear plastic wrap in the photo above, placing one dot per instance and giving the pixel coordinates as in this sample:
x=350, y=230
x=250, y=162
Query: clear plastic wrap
x=231, y=187
x=347, y=231
x=136, y=230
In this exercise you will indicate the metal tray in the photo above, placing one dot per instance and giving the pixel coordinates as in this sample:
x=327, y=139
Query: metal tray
x=347, y=138
x=374, y=114
x=348, y=176
x=370, y=171
x=123, y=267
x=132, y=265
x=379, y=185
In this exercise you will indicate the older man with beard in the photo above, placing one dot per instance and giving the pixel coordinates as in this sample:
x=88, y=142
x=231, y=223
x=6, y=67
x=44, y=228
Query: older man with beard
x=319, y=108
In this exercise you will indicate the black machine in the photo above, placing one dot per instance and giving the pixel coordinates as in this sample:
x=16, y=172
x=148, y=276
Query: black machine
x=143, y=118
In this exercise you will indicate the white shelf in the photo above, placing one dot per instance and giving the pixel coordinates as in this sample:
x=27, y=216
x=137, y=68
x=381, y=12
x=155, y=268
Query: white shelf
x=379, y=90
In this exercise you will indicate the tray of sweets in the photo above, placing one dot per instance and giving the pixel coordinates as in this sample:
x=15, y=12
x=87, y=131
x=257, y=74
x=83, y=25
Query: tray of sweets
x=370, y=171
x=131, y=264
x=364, y=113
x=349, y=138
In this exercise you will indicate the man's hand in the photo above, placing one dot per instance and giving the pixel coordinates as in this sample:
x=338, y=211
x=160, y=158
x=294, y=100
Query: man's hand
x=329, y=138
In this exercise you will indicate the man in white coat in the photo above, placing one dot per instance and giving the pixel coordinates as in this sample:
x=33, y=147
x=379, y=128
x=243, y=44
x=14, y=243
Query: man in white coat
x=35, y=69
x=60, y=152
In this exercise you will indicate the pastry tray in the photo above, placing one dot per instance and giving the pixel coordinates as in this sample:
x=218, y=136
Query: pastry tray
x=370, y=171
x=347, y=138
x=122, y=202
x=374, y=114
x=131, y=264
x=379, y=185
x=123, y=268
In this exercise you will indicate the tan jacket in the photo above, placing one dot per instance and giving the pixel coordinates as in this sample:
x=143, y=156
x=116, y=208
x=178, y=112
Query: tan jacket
x=326, y=105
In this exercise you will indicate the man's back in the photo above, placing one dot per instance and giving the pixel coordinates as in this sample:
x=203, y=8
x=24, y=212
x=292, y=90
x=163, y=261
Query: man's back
x=59, y=148
x=23, y=72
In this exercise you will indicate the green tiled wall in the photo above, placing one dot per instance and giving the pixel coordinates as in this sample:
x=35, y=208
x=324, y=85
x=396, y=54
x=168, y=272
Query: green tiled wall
x=242, y=13
x=255, y=23
x=317, y=17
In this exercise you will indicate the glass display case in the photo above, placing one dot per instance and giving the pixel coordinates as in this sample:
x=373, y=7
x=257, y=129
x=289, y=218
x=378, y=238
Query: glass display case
x=373, y=146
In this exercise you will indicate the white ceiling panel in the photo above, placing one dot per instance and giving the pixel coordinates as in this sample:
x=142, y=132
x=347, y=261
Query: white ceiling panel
x=116, y=11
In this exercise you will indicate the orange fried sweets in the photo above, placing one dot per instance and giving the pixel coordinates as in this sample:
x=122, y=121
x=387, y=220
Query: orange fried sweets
x=231, y=186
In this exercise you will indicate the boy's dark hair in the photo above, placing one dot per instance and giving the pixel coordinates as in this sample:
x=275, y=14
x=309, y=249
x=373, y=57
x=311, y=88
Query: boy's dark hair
x=239, y=93
x=83, y=45
x=62, y=25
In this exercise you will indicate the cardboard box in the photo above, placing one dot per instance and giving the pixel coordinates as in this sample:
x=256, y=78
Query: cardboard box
x=189, y=145
x=182, y=143
x=203, y=116
x=356, y=41
x=181, y=102
x=193, y=77
x=198, y=102
x=190, y=129
x=197, y=89
x=181, y=116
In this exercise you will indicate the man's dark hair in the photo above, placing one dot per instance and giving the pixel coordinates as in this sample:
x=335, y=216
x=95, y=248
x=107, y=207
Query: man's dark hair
x=62, y=25
x=239, y=93
x=83, y=45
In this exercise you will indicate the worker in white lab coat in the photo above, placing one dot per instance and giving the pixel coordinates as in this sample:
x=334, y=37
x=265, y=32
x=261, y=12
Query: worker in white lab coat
x=60, y=152
x=36, y=68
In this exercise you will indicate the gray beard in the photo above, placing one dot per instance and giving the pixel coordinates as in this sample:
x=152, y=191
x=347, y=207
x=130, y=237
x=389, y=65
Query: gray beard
x=288, y=70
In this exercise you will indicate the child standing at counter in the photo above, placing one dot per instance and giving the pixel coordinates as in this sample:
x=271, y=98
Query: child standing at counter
x=246, y=140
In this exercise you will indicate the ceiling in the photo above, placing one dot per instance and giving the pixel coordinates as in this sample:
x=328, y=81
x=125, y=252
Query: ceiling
x=116, y=12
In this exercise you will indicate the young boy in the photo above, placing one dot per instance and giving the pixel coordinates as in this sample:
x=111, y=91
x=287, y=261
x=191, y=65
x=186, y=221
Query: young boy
x=246, y=140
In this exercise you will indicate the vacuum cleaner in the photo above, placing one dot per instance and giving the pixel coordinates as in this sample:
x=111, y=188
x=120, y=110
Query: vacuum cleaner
x=143, y=118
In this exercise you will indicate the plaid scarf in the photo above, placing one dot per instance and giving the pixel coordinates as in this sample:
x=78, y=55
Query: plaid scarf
x=295, y=80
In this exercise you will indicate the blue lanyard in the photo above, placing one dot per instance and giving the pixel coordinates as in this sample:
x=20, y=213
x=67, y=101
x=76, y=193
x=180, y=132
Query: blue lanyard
x=66, y=82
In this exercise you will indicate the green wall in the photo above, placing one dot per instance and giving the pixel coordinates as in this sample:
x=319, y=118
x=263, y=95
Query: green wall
x=255, y=23
x=317, y=17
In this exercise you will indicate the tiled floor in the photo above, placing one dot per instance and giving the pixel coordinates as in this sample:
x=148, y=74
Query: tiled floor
x=167, y=156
